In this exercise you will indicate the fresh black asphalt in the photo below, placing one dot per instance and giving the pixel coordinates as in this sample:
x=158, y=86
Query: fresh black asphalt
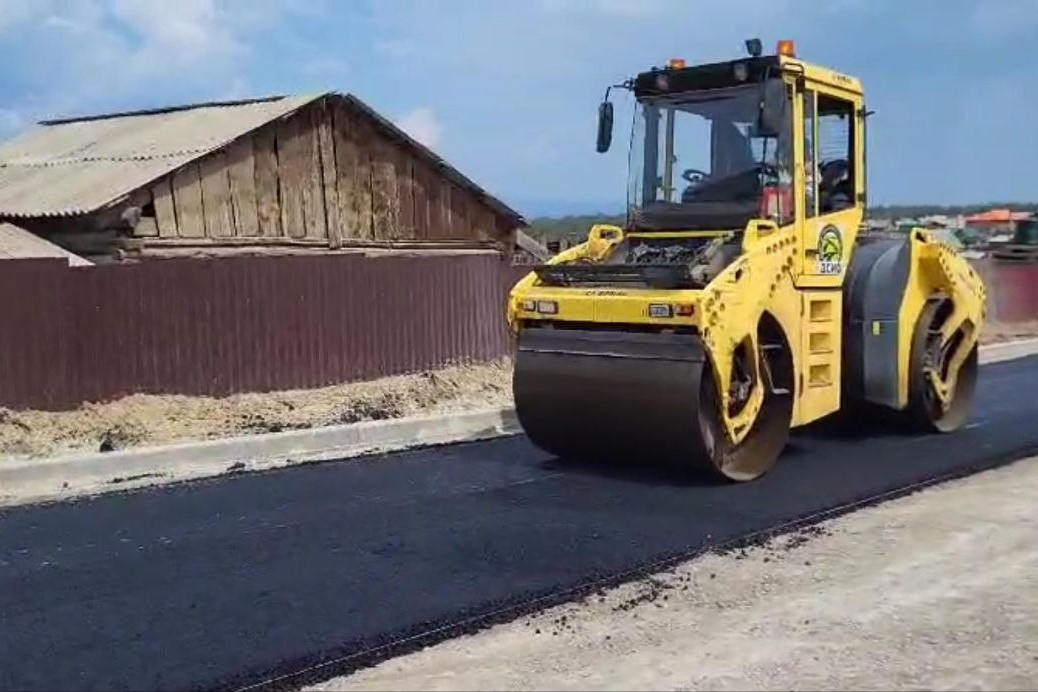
x=227, y=581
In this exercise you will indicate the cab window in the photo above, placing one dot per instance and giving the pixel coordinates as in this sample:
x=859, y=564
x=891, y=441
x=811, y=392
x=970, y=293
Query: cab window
x=834, y=168
x=811, y=173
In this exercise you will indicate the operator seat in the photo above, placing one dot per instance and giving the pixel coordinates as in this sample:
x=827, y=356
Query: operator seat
x=835, y=188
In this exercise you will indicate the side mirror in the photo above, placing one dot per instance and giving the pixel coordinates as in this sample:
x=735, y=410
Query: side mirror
x=773, y=113
x=605, y=126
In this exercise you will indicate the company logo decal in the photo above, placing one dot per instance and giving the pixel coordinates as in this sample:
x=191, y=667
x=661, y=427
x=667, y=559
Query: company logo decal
x=830, y=251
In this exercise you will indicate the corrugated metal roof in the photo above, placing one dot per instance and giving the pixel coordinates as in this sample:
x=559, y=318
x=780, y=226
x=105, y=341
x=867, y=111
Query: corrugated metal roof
x=78, y=165
x=18, y=243
x=999, y=216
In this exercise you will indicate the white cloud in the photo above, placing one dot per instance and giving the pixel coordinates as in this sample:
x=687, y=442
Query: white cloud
x=421, y=123
x=209, y=34
x=197, y=30
x=14, y=12
x=1002, y=18
x=94, y=55
x=522, y=80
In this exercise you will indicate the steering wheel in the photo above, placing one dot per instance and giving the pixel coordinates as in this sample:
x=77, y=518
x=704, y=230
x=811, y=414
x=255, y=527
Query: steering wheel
x=832, y=170
x=687, y=174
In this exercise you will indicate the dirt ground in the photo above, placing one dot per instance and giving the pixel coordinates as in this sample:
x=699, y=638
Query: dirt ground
x=938, y=590
x=148, y=419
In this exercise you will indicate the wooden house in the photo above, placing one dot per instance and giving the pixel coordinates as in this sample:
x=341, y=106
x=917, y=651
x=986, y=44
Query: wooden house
x=285, y=174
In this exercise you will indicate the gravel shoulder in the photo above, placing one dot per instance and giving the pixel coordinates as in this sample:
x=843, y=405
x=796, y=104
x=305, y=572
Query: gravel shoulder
x=998, y=333
x=146, y=419
x=938, y=590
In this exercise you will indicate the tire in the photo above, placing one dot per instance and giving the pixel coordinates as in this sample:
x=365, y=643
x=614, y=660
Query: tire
x=924, y=409
x=758, y=452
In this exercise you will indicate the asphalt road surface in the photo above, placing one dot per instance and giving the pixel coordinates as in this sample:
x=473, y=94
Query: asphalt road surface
x=232, y=581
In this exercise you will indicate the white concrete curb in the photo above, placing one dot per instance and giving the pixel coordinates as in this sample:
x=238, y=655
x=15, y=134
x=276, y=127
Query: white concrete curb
x=995, y=353
x=38, y=480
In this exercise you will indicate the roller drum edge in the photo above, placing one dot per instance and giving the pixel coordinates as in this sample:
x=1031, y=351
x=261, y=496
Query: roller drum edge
x=637, y=398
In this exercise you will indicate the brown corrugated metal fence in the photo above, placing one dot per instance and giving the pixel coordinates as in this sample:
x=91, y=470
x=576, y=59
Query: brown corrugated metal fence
x=1012, y=291
x=215, y=327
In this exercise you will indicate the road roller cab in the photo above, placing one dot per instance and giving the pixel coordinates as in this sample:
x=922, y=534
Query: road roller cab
x=739, y=299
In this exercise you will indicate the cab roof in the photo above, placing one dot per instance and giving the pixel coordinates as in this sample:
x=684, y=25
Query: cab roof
x=823, y=75
x=668, y=80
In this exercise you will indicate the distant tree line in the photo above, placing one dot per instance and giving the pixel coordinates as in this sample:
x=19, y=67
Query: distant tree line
x=576, y=227
x=572, y=227
x=897, y=211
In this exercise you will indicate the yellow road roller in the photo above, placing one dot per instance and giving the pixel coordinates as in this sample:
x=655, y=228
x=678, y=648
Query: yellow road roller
x=743, y=296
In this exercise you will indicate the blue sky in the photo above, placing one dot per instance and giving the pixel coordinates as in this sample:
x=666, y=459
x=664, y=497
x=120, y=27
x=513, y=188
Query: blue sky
x=508, y=91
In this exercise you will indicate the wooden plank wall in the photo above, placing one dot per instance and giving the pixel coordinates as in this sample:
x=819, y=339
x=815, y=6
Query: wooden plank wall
x=326, y=173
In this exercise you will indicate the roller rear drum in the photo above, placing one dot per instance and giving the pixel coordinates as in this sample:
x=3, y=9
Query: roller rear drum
x=929, y=352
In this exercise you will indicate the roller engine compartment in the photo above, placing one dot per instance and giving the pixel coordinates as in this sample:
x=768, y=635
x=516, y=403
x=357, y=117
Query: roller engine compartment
x=644, y=261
